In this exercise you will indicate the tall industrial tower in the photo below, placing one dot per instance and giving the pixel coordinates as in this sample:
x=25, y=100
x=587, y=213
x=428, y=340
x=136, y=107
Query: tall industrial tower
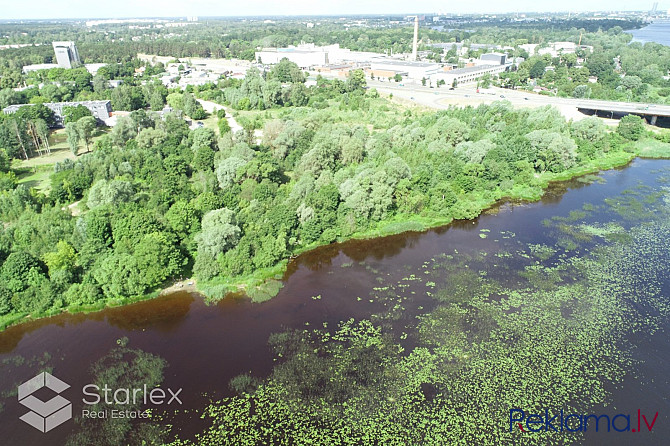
x=415, y=44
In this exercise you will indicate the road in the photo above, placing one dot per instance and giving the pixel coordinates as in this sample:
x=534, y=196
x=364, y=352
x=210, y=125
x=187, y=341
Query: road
x=209, y=107
x=443, y=97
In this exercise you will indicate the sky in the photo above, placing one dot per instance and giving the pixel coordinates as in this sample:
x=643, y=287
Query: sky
x=49, y=9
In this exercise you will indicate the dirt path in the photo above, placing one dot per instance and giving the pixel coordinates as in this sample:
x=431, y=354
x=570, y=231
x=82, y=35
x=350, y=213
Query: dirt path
x=209, y=107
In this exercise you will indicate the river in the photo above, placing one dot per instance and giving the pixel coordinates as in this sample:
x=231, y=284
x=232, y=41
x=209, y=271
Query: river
x=658, y=32
x=207, y=345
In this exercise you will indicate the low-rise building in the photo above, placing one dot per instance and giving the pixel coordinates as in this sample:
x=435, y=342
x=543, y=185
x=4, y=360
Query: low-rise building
x=385, y=74
x=494, y=58
x=414, y=70
x=101, y=110
x=308, y=55
x=469, y=74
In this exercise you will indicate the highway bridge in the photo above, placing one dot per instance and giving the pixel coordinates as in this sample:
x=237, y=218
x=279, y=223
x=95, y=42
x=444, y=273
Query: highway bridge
x=442, y=98
x=651, y=112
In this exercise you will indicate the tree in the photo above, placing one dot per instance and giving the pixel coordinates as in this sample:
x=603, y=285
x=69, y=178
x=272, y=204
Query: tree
x=554, y=151
x=5, y=300
x=203, y=137
x=631, y=82
x=223, y=125
x=298, y=95
x=474, y=152
x=158, y=258
x=192, y=107
x=85, y=127
x=119, y=275
x=570, y=59
x=183, y=218
x=356, y=80
x=287, y=71
x=8, y=97
x=485, y=81
x=129, y=98
x=537, y=69
x=219, y=232
x=149, y=138
x=156, y=101
x=589, y=129
x=64, y=258
x=73, y=136
x=17, y=268
x=272, y=93
x=582, y=92
x=5, y=162
x=600, y=65
x=74, y=114
x=631, y=127
x=112, y=192
x=226, y=171
x=176, y=101
x=123, y=131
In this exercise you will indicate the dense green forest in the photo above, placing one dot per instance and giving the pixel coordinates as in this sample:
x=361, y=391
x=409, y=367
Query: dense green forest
x=152, y=200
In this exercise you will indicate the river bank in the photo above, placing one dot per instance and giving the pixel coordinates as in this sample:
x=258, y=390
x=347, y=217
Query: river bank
x=264, y=284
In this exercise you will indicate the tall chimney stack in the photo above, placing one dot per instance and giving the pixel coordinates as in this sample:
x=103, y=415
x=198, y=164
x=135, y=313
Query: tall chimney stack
x=416, y=37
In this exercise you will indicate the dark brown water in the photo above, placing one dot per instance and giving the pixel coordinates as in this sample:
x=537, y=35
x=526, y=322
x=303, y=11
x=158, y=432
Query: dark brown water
x=207, y=345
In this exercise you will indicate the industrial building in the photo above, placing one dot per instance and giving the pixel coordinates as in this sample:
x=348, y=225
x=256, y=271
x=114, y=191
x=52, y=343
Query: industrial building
x=308, y=55
x=304, y=56
x=67, y=55
x=494, y=58
x=462, y=49
x=414, y=70
x=101, y=110
x=470, y=74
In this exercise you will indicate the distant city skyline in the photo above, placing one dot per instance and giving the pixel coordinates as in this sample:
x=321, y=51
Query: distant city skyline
x=47, y=9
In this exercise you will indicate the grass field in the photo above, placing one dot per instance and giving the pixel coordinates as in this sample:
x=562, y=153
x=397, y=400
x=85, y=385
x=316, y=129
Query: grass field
x=35, y=172
x=653, y=148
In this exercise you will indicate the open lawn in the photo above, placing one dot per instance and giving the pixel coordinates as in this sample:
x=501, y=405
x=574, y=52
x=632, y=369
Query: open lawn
x=35, y=172
x=37, y=177
x=210, y=122
x=56, y=155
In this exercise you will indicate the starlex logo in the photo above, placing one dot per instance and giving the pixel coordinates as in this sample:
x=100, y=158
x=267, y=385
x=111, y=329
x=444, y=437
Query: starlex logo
x=559, y=422
x=45, y=415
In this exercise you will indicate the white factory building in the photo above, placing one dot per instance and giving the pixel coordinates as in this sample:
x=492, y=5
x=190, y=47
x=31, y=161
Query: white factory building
x=554, y=49
x=308, y=55
x=470, y=75
x=414, y=70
